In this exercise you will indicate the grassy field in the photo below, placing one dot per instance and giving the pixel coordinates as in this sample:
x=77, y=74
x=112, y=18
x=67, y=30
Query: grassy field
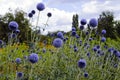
x=61, y=63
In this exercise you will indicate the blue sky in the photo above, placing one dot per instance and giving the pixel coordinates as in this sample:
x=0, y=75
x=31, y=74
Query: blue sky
x=63, y=10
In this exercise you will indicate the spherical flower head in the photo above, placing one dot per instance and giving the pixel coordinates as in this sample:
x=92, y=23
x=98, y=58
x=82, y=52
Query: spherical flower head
x=83, y=21
x=82, y=63
x=73, y=29
x=44, y=50
x=40, y=6
x=33, y=58
x=103, y=39
x=13, y=35
x=77, y=36
x=103, y=31
x=19, y=74
x=87, y=33
x=33, y=11
x=90, y=39
x=13, y=25
x=73, y=33
x=75, y=49
x=81, y=27
x=60, y=35
x=18, y=60
x=1, y=42
x=49, y=14
x=30, y=15
x=17, y=31
x=95, y=48
x=93, y=22
x=57, y=42
x=85, y=74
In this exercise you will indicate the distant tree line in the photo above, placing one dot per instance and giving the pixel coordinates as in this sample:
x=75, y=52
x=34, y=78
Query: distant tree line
x=105, y=21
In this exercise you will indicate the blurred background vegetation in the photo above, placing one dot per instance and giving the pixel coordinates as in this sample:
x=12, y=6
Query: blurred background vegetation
x=105, y=21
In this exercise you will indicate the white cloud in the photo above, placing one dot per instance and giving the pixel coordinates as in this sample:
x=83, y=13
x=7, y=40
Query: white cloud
x=60, y=20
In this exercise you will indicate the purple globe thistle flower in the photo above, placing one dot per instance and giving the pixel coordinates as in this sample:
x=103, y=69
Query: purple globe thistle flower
x=116, y=53
x=44, y=50
x=13, y=35
x=57, y=42
x=103, y=39
x=18, y=60
x=40, y=6
x=75, y=49
x=98, y=47
x=86, y=74
x=19, y=74
x=103, y=31
x=81, y=27
x=87, y=33
x=13, y=25
x=73, y=29
x=49, y=14
x=64, y=40
x=88, y=54
x=110, y=49
x=73, y=33
x=45, y=42
x=1, y=42
x=82, y=63
x=33, y=11
x=93, y=22
x=17, y=31
x=33, y=58
x=90, y=39
x=83, y=21
x=60, y=35
x=77, y=36
x=30, y=15
x=94, y=49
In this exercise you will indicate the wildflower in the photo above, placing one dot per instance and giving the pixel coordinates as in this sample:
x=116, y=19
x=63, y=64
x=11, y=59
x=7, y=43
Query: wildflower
x=18, y=60
x=60, y=35
x=77, y=36
x=49, y=14
x=1, y=42
x=33, y=58
x=85, y=74
x=87, y=33
x=82, y=63
x=44, y=50
x=40, y=6
x=93, y=22
x=75, y=49
x=73, y=29
x=30, y=15
x=103, y=31
x=19, y=74
x=73, y=33
x=83, y=21
x=17, y=31
x=13, y=25
x=33, y=11
x=103, y=39
x=57, y=42
x=95, y=49
x=81, y=27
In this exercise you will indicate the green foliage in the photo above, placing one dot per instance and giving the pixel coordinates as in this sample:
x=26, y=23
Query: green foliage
x=106, y=21
x=24, y=26
x=75, y=22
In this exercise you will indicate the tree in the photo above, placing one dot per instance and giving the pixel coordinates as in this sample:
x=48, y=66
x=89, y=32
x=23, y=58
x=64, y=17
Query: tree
x=24, y=26
x=75, y=22
x=106, y=21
